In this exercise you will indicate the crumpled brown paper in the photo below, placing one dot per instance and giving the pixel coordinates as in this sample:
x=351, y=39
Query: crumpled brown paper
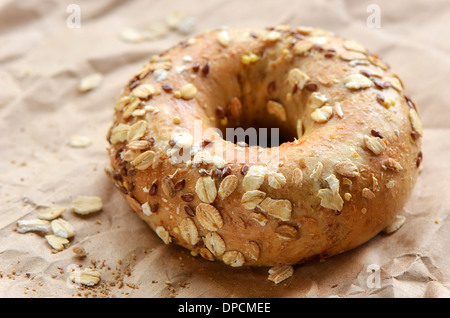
x=43, y=57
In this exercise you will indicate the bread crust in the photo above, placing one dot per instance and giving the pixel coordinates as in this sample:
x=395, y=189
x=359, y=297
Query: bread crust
x=344, y=177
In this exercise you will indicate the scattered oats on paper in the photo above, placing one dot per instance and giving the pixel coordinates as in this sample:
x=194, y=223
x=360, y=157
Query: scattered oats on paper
x=87, y=204
x=90, y=82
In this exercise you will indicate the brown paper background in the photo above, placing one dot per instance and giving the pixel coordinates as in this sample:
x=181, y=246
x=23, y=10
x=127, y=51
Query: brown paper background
x=41, y=63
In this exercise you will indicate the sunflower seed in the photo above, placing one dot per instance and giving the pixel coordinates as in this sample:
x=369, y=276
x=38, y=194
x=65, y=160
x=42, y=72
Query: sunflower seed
x=377, y=62
x=415, y=121
x=396, y=84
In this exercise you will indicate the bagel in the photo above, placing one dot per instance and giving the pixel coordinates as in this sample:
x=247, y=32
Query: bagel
x=346, y=163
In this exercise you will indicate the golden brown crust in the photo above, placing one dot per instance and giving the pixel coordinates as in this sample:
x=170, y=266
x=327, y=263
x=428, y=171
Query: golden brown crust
x=347, y=174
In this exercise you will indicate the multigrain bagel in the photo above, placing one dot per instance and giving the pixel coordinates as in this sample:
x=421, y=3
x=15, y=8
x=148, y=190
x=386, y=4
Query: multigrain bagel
x=348, y=161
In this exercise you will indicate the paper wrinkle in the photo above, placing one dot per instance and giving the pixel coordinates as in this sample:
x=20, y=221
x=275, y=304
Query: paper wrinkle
x=42, y=61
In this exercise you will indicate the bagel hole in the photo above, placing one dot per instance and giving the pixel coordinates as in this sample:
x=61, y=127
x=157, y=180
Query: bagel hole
x=262, y=131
